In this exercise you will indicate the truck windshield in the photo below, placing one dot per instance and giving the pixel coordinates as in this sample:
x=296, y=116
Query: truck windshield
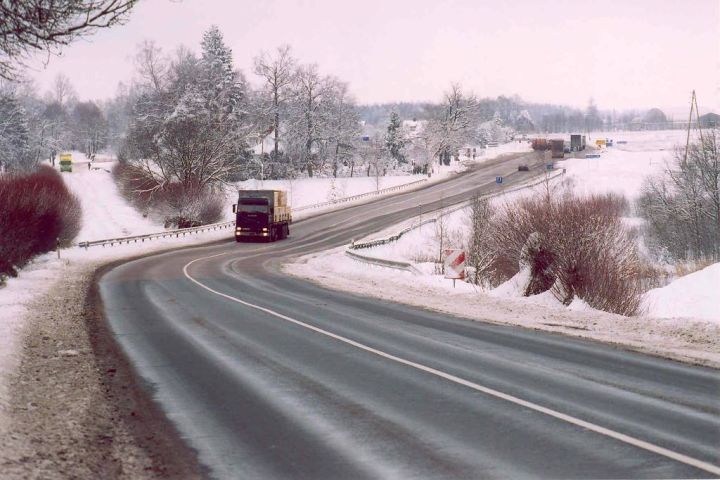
x=253, y=205
x=252, y=208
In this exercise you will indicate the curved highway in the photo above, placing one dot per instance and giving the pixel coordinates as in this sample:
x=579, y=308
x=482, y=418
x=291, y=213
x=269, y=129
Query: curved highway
x=271, y=377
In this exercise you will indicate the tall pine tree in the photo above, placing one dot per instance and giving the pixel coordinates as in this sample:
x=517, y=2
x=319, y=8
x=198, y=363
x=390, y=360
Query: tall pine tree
x=394, y=139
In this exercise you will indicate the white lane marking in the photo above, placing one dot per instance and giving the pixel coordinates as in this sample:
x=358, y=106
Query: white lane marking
x=636, y=442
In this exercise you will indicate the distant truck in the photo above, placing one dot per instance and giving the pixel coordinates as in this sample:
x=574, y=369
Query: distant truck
x=65, y=162
x=540, y=144
x=577, y=142
x=262, y=214
x=557, y=147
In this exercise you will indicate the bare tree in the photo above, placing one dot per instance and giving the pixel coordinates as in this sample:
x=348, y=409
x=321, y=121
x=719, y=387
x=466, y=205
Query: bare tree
x=307, y=129
x=682, y=207
x=343, y=124
x=47, y=25
x=62, y=90
x=278, y=72
x=151, y=65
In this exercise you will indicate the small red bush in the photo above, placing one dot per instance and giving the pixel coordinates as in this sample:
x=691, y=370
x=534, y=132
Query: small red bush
x=36, y=212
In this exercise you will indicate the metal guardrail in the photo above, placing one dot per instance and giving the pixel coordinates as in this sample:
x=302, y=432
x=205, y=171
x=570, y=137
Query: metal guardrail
x=407, y=266
x=150, y=236
x=362, y=195
x=215, y=226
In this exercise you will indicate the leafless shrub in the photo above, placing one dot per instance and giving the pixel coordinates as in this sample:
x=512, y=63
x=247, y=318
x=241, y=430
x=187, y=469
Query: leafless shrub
x=576, y=244
x=682, y=207
x=174, y=203
x=37, y=212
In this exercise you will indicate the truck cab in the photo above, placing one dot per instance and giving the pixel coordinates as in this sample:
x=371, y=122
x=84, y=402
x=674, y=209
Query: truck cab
x=262, y=215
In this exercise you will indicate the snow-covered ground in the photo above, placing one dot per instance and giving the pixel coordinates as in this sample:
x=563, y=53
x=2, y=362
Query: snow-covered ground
x=696, y=295
x=623, y=167
x=682, y=320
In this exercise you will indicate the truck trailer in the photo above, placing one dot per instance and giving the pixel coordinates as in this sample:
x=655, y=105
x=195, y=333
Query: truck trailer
x=557, y=147
x=577, y=142
x=262, y=214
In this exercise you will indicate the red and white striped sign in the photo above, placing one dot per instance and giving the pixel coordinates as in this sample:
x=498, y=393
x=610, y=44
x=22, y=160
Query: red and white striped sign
x=454, y=263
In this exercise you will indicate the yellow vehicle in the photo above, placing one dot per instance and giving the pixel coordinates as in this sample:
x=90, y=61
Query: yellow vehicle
x=600, y=142
x=65, y=162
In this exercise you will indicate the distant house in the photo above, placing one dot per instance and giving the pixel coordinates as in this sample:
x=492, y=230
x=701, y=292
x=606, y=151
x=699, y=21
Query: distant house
x=710, y=120
x=413, y=128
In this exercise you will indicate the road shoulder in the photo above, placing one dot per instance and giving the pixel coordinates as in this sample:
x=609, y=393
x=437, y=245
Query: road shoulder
x=76, y=408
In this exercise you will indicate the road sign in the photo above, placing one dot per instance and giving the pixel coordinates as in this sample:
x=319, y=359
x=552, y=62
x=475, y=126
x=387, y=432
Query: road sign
x=498, y=179
x=454, y=263
x=549, y=166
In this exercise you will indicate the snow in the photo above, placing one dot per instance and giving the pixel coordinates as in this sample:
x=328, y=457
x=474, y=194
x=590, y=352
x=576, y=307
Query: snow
x=105, y=213
x=623, y=167
x=696, y=295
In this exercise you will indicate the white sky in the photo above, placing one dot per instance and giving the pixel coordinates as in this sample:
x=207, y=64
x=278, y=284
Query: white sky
x=623, y=53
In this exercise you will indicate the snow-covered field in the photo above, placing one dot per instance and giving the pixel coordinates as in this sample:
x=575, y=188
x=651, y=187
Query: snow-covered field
x=682, y=320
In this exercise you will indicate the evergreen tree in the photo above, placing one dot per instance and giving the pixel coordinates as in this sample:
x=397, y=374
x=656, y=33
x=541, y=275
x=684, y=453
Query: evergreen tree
x=394, y=139
x=221, y=83
x=15, y=152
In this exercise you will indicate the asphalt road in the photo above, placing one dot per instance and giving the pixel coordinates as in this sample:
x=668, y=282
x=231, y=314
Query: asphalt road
x=270, y=377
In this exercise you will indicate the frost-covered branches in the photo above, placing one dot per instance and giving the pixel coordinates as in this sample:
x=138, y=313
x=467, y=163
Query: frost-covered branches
x=46, y=25
x=188, y=127
x=452, y=125
x=682, y=207
x=277, y=73
x=15, y=153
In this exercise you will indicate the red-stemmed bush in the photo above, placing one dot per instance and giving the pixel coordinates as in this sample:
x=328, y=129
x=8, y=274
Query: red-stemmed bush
x=177, y=205
x=577, y=246
x=37, y=213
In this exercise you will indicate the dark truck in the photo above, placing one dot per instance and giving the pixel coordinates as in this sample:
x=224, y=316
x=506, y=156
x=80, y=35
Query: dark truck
x=557, y=147
x=262, y=214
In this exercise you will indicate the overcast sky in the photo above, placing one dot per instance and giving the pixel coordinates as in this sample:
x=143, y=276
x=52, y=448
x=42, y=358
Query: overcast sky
x=623, y=53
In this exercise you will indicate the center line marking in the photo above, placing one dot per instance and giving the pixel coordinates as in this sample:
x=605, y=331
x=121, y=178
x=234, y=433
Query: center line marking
x=636, y=442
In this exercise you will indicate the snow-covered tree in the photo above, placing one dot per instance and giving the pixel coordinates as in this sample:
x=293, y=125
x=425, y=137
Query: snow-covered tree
x=524, y=122
x=191, y=131
x=343, y=125
x=395, y=139
x=452, y=127
x=278, y=73
x=15, y=152
x=308, y=118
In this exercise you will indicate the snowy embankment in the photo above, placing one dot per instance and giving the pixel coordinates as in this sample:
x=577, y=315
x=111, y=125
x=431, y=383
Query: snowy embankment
x=693, y=334
x=696, y=295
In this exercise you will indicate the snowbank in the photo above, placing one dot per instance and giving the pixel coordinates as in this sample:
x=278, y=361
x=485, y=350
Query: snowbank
x=696, y=295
